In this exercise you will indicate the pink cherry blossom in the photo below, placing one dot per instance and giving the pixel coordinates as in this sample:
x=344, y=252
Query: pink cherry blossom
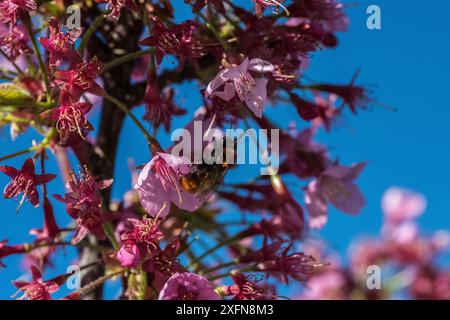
x=24, y=181
x=116, y=7
x=10, y=10
x=158, y=185
x=179, y=40
x=160, y=107
x=399, y=205
x=59, y=44
x=81, y=78
x=239, y=81
x=247, y=287
x=188, y=286
x=15, y=42
x=36, y=289
x=334, y=185
x=83, y=203
x=129, y=255
x=70, y=117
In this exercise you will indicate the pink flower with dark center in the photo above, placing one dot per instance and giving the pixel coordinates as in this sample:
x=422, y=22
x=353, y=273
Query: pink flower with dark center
x=116, y=6
x=188, y=286
x=158, y=185
x=60, y=45
x=70, y=117
x=334, y=185
x=36, y=289
x=296, y=265
x=129, y=255
x=10, y=10
x=83, y=203
x=145, y=231
x=164, y=262
x=15, y=42
x=24, y=181
x=247, y=288
x=179, y=40
x=81, y=78
x=159, y=105
x=238, y=81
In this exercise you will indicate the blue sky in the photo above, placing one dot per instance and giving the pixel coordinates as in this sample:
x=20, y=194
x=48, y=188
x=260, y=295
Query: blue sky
x=407, y=64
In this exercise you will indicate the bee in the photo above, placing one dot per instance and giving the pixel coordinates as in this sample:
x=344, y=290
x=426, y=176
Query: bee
x=204, y=178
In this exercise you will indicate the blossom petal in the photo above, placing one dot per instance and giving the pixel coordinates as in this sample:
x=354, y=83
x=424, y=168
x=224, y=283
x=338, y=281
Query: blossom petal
x=9, y=171
x=317, y=206
x=151, y=193
x=255, y=99
x=350, y=200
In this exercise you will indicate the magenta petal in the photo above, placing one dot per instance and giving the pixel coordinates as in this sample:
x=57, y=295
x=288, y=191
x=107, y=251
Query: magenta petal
x=185, y=200
x=151, y=193
x=36, y=273
x=261, y=66
x=79, y=235
x=9, y=171
x=10, y=190
x=229, y=91
x=21, y=284
x=350, y=200
x=51, y=287
x=255, y=99
x=45, y=178
x=28, y=165
x=317, y=206
x=33, y=196
x=180, y=164
x=400, y=205
x=104, y=184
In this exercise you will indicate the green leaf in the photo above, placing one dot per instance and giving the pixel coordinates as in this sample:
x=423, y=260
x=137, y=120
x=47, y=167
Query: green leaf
x=13, y=95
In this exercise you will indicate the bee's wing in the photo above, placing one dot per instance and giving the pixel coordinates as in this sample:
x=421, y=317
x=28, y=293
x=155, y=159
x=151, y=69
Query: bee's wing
x=209, y=183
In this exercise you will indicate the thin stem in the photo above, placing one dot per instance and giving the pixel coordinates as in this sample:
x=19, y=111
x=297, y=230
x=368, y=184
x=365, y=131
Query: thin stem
x=154, y=144
x=221, y=266
x=143, y=285
x=108, y=228
x=18, y=153
x=28, y=26
x=89, y=32
x=216, y=247
x=213, y=29
x=19, y=71
x=227, y=274
x=44, y=143
x=126, y=58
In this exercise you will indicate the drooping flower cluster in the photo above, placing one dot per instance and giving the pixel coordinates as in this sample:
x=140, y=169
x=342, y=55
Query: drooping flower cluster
x=24, y=181
x=84, y=203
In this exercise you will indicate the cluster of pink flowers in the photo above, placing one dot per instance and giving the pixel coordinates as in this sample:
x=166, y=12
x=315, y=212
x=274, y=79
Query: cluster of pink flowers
x=408, y=260
x=169, y=236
